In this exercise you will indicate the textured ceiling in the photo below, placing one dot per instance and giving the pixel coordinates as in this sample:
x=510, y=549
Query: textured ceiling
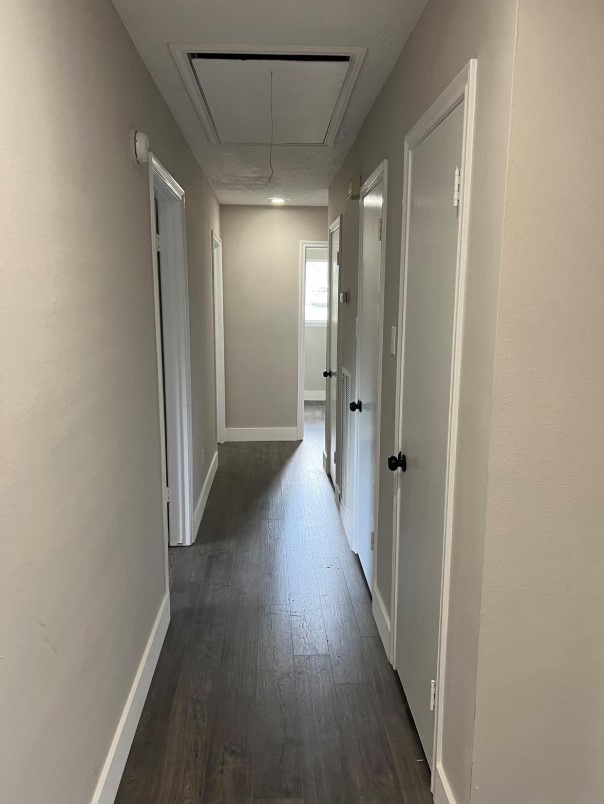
x=239, y=173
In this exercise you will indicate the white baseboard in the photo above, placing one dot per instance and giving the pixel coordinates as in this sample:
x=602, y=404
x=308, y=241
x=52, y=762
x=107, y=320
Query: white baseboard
x=205, y=493
x=261, y=434
x=443, y=794
x=111, y=774
x=314, y=396
x=382, y=620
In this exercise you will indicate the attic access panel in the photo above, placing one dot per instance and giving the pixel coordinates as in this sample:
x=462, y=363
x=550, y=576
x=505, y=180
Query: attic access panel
x=238, y=94
x=231, y=91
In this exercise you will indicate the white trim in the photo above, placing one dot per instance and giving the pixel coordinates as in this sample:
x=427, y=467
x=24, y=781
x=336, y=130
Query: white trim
x=443, y=793
x=218, y=293
x=304, y=244
x=379, y=174
x=180, y=53
x=314, y=396
x=115, y=762
x=315, y=324
x=261, y=434
x=330, y=448
x=205, y=493
x=176, y=346
x=462, y=89
x=382, y=620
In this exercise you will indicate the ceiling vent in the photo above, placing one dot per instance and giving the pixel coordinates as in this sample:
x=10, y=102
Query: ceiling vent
x=284, y=96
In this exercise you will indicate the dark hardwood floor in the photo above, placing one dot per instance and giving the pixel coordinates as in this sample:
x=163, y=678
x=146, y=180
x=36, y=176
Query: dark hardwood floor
x=272, y=684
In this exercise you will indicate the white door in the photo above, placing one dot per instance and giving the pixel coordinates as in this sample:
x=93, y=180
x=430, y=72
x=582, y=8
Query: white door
x=218, y=337
x=369, y=332
x=429, y=320
x=331, y=368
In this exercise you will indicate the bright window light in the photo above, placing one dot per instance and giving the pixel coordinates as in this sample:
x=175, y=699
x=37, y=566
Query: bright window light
x=317, y=286
x=277, y=200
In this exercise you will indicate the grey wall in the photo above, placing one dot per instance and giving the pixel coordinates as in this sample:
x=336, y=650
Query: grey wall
x=540, y=707
x=82, y=570
x=261, y=261
x=447, y=36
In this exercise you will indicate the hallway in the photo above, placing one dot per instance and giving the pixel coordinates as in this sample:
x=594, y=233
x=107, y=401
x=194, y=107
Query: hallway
x=272, y=683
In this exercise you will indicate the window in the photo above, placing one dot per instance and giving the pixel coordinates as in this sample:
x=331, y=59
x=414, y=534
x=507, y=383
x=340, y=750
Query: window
x=317, y=286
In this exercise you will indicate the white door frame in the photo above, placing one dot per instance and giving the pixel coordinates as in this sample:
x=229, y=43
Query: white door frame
x=176, y=346
x=218, y=286
x=329, y=447
x=381, y=172
x=462, y=89
x=304, y=244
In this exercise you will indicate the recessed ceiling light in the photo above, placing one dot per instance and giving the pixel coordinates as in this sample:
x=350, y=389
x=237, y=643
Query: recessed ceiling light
x=277, y=200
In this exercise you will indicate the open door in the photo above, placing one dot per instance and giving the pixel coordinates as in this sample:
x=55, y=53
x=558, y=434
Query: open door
x=331, y=357
x=366, y=407
x=173, y=350
x=218, y=307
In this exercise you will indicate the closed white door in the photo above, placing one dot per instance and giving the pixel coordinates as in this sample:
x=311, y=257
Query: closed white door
x=429, y=315
x=332, y=350
x=369, y=333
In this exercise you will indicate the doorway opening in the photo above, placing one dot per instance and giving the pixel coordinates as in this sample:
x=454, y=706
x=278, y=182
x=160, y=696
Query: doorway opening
x=170, y=280
x=312, y=326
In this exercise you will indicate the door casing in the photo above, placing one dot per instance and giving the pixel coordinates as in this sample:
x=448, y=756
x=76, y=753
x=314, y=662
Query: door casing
x=462, y=88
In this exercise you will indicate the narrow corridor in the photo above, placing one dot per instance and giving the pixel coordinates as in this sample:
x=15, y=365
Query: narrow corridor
x=272, y=683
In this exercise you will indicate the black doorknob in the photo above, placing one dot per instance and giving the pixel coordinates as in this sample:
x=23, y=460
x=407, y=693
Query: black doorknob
x=328, y=373
x=356, y=406
x=397, y=462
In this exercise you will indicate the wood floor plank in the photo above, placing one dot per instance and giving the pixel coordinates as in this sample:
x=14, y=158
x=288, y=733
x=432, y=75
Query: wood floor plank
x=229, y=766
x=369, y=761
x=324, y=764
x=278, y=740
x=275, y=645
x=211, y=613
x=343, y=636
x=180, y=775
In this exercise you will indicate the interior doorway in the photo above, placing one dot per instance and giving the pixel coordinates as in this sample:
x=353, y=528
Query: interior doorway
x=170, y=279
x=331, y=352
x=312, y=325
x=366, y=407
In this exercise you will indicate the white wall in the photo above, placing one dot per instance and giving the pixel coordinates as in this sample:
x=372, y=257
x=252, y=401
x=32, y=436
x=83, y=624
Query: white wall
x=82, y=560
x=261, y=263
x=540, y=703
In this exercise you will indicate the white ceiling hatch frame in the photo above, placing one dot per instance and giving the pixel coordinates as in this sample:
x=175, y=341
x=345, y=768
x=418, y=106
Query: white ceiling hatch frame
x=184, y=54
